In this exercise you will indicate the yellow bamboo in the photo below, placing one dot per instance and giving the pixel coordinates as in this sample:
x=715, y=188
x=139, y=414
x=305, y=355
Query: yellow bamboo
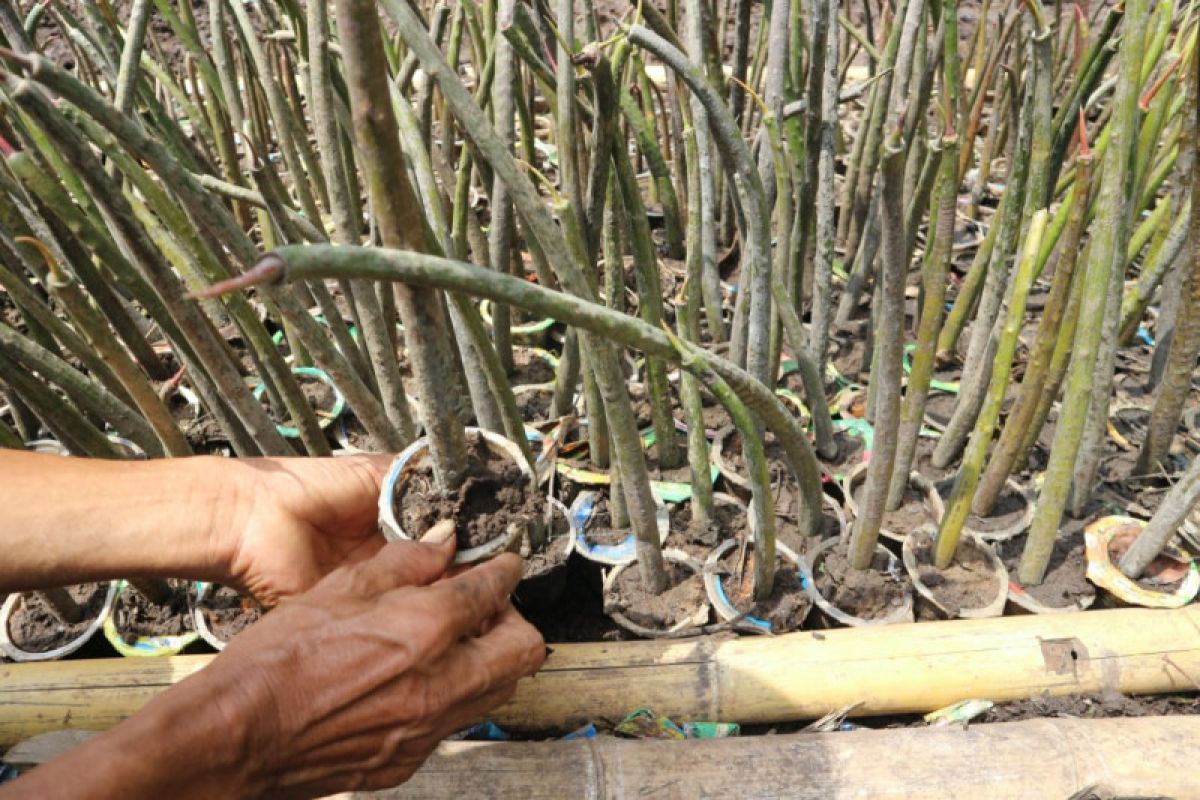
x=891, y=669
x=1045, y=758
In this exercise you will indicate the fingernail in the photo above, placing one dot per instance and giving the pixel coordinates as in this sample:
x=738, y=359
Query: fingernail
x=439, y=533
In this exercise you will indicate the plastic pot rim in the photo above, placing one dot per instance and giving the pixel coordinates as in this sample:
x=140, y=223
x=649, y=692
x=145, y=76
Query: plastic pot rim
x=716, y=592
x=995, y=608
x=808, y=564
x=698, y=618
x=410, y=458
x=11, y=650
x=143, y=646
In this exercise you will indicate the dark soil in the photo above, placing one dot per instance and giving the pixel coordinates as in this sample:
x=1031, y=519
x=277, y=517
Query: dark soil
x=913, y=514
x=320, y=397
x=1159, y=575
x=788, y=604
x=941, y=476
x=940, y=406
x=135, y=616
x=849, y=455
x=555, y=552
x=34, y=628
x=680, y=474
x=684, y=595
x=1007, y=511
x=357, y=436
x=1095, y=706
x=530, y=368
x=868, y=593
x=968, y=583
x=1066, y=576
x=494, y=495
x=726, y=522
x=599, y=528
x=534, y=404
x=228, y=612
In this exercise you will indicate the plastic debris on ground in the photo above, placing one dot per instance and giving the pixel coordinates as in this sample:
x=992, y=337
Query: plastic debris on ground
x=961, y=712
x=8, y=773
x=834, y=721
x=586, y=732
x=645, y=724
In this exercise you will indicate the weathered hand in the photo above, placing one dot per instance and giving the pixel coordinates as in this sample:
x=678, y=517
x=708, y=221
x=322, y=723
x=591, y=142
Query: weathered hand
x=294, y=520
x=352, y=684
x=347, y=686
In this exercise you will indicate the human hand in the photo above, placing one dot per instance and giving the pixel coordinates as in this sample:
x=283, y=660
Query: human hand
x=348, y=686
x=294, y=520
x=352, y=685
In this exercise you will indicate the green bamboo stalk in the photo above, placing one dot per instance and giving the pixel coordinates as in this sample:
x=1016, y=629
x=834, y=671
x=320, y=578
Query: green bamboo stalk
x=92, y=325
x=761, y=501
x=1125, y=142
x=401, y=224
x=959, y=506
x=1107, y=259
x=88, y=396
x=822, y=138
x=886, y=373
x=291, y=263
x=933, y=283
x=748, y=185
x=253, y=431
x=1185, y=340
x=1035, y=383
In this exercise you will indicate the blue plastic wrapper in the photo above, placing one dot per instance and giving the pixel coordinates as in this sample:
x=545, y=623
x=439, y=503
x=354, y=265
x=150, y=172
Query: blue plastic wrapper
x=8, y=773
x=486, y=731
x=586, y=732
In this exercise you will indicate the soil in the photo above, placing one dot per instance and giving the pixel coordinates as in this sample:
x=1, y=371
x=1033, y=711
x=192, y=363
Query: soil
x=727, y=521
x=1066, y=577
x=968, y=583
x=788, y=604
x=320, y=397
x=553, y=555
x=1159, y=575
x=868, y=593
x=34, y=628
x=913, y=514
x=715, y=417
x=684, y=595
x=1009, y=508
x=494, y=495
x=1095, y=706
x=681, y=474
x=530, y=368
x=849, y=455
x=939, y=406
x=534, y=404
x=229, y=612
x=135, y=616
x=358, y=437
x=600, y=529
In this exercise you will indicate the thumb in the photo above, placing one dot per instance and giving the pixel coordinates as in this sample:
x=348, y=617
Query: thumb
x=408, y=563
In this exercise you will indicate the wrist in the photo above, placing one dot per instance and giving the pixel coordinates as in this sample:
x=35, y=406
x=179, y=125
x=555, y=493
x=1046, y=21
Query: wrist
x=184, y=744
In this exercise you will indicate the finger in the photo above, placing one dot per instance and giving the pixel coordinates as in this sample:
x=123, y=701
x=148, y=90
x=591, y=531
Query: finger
x=511, y=649
x=463, y=602
x=405, y=563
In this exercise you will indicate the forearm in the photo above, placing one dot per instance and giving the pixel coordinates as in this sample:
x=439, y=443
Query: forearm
x=71, y=520
x=181, y=745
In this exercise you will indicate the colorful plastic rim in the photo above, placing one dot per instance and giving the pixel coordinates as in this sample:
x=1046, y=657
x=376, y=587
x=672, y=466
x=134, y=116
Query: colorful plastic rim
x=952, y=387
x=325, y=418
x=143, y=646
x=527, y=330
x=611, y=554
x=1105, y=574
x=716, y=591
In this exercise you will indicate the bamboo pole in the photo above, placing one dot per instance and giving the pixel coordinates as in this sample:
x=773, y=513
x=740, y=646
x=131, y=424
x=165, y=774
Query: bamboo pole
x=890, y=669
x=1033, y=758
